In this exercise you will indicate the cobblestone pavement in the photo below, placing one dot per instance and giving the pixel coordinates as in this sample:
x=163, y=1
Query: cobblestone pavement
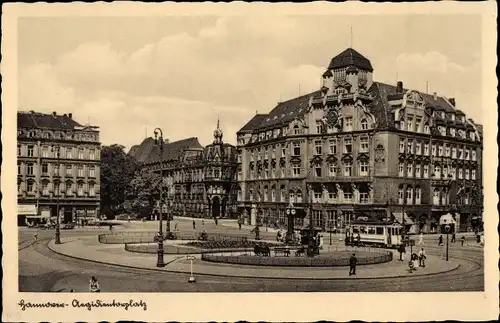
x=40, y=269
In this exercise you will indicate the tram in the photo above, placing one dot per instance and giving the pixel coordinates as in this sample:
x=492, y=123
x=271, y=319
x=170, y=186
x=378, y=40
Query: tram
x=375, y=233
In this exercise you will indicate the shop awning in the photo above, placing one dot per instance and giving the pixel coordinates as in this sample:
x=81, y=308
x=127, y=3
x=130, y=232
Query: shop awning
x=447, y=219
x=398, y=217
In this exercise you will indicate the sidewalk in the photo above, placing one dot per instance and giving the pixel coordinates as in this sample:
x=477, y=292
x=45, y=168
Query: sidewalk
x=88, y=248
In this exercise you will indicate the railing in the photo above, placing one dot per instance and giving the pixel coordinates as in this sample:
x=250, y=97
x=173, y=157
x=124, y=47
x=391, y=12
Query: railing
x=150, y=237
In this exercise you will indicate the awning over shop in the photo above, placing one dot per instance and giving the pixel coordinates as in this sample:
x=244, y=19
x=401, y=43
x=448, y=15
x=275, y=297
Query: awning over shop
x=27, y=209
x=447, y=219
x=398, y=217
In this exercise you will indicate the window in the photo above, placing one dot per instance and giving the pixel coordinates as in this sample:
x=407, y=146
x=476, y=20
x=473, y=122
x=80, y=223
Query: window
x=418, y=195
x=417, y=170
x=447, y=151
x=296, y=130
x=401, y=145
x=436, y=197
x=56, y=170
x=426, y=149
x=460, y=173
x=452, y=132
x=69, y=170
x=273, y=173
x=19, y=168
x=440, y=150
x=318, y=145
x=292, y=196
x=418, y=122
x=45, y=169
x=348, y=124
x=45, y=151
x=283, y=151
x=473, y=153
x=418, y=148
x=332, y=170
x=363, y=144
x=401, y=168
x=30, y=169
x=442, y=130
x=282, y=172
x=363, y=168
x=266, y=194
x=363, y=197
x=427, y=129
x=409, y=195
x=332, y=146
x=30, y=187
x=467, y=154
x=445, y=172
x=467, y=174
x=332, y=195
x=434, y=150
x=92, y=154
x=282, y=194
x=296, y=170
x=401, y=195
x=319, y=127
x=426, y=171
x=364, y=124
x=92, y=189
x=410, y=147
x=80, y=189
x=453, y=173
x=45, y=188
x=69, y=153
x=19, y=150
x=69, y=188
x=318, y=196
x=409, y=170
x=473, y=174
x=453, y=152
x=348, y=168
x=409, y=124
x=460, y=153
x=80, y=171
x=437, y=171
x=317, y=170
x=347, y=145
x=347, y=196
x=31, y=151
x=296, y=149
x=57, y=188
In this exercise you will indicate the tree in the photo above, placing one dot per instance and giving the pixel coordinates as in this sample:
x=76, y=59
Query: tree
x=144, y=190
x=117, y=171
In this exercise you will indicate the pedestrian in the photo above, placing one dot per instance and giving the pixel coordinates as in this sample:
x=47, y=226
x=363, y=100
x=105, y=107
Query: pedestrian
x=203, y=222
x=110, y=227
x=175, y=227
x=352, y=264
x=36, y=235
x=453, y=238
x=421, y=238
x=440, y=240
x=194, y=225
x=94, y=285
x=462, y=240
x=216, y=222
x=128, y=217
x=421, y=257
x=402, y=251
x=239, y=225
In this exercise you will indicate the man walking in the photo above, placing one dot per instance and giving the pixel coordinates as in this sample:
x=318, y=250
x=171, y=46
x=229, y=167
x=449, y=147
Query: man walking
x=402, y=251
x=194, y=225
x=352, y=264
x=462, y=240
x=421, y=257
x=453, y=238
x=440, y=240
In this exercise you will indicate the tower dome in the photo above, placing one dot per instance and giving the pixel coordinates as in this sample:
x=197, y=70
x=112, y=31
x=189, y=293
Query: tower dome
x=350, y=57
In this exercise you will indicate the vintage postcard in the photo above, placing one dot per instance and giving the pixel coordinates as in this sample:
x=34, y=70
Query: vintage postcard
x=259, y=162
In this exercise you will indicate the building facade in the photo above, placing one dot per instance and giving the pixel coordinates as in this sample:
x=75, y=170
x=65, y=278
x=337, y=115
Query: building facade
x=58, y=167
x=364, y=149
x=198, y=181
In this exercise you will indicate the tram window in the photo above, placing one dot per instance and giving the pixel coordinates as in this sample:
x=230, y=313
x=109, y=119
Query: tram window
x=371, y=230
x=392, y=231
x=363, y=229
x=355, y=229
x=396, y=231
x=380, y=230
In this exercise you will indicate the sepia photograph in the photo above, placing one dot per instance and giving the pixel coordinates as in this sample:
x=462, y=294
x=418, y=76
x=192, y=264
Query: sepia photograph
x=248, y=153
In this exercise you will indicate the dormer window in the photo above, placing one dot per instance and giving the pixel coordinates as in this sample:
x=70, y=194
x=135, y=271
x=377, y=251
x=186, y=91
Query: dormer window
x=364, y=124
x=452, y=117
x=427, y=129
x=452, y=132
x=348, y=124
x=296, y=130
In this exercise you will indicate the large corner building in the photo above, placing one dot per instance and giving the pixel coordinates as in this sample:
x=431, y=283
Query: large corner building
x=367, y=149
x=58, y=163
x=200, y=181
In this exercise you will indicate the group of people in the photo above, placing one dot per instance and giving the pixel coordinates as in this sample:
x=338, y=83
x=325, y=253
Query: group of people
x=351, y=240
x=421, y=257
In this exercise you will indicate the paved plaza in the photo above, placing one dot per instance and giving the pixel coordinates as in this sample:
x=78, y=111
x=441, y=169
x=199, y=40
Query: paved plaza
x=45, y=266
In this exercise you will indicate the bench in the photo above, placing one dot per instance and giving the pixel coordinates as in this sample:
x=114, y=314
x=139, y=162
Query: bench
x=284, y=250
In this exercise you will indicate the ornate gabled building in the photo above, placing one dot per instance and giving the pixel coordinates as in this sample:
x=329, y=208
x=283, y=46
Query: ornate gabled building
x=365, y=149
x=199, y=181
x=58, y=168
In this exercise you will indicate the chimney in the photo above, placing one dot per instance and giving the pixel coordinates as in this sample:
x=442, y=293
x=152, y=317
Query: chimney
x=399, y=87
x=452, y=101
x=54, y=114
x=435, y=95
x=70, y=115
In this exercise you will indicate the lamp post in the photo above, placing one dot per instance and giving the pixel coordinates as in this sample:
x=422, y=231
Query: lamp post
x=447, y=229
x=58, y=224
x=290, y=213
x=159, y=142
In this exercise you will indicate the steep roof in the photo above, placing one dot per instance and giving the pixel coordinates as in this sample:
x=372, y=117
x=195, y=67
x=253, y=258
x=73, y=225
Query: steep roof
x=254, y=122
x=148, y=151
x=34, y=120
x=350, y=57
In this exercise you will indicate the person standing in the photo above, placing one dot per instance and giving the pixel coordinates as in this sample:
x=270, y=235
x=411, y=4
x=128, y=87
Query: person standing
x=402, y=251
x=453, y=238
x=421, y=257
x=462, y=240
x=440, y=240
x=239, y=225
x=94, y=285
x=194, y=225
x=421, y=238
x=358, y=240
x=352, y=264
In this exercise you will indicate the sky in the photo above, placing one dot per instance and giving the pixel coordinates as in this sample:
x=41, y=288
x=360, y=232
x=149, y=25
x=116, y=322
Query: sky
x=128, y=75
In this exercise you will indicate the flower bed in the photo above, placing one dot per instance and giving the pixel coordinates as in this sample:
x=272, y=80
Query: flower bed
x=147, y=237
x=336, y=259
x=226, y=244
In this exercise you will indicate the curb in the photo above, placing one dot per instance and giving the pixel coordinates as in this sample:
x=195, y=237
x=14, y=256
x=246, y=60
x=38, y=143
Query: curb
x=244, y=276
x=26, y=246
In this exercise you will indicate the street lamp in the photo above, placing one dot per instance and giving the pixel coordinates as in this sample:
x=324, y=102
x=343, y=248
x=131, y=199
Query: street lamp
x=447, y=229
x=159, y=142
x=58, y=225
x=290, y=213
